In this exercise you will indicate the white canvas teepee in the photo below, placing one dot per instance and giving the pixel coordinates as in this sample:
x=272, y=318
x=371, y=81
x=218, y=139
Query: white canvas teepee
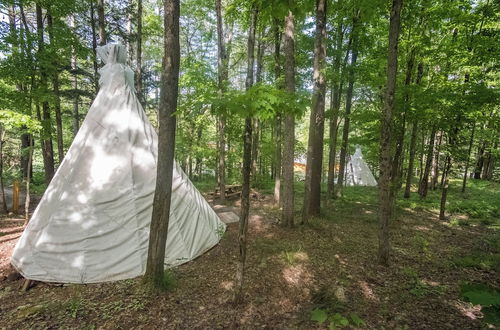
x=358, y=173
x=92, y=224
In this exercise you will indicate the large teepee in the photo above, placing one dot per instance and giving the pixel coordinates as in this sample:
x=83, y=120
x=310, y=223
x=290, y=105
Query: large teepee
x=92, y=224
x=358, y=172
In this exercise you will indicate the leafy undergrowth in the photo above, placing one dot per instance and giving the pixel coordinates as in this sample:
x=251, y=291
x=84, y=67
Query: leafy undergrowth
x=320, y=275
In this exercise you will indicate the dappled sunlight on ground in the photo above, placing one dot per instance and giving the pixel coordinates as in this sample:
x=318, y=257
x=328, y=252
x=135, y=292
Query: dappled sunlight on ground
x=367, y=291
x=296, y=275
x=227, y=285
x=468, y=310
x=329, y=264
x=422, y=228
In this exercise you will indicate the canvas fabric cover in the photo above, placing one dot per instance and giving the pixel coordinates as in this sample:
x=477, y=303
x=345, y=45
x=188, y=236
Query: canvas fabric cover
x=92, y=223
x=358, y=172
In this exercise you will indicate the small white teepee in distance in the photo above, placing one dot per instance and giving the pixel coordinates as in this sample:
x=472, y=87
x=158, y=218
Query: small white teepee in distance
x=358, y=172
x=92, y=223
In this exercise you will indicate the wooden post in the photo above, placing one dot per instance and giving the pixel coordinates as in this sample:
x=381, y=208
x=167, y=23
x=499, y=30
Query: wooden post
x=15, y=197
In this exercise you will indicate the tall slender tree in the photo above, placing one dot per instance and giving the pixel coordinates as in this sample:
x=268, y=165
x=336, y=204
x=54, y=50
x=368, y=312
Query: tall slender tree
x=312, y=191
x=44, y=116
x=55, y=87
x=138, y=70
x=101, y=20
x=385, y=194
x=166, y=146
x=353, y=42
x=247, y=162
x=222, y=76
x=335, y=99
x=289, y=132
x=277, y=119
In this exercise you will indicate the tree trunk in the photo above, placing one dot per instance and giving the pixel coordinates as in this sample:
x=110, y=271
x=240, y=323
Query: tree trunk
x=101, y=22
x=422, y=153
x=289, y=132
x=2, y=188
x=256, y=121
x=411, y=160
x=467, y=161
x=435, y=162
x=413, y=139
x=138, y=70
x=336, y=95
x=222, y=75
x=424, y=183
x=47, y=148
x=277, y=120
x=385, y=195
x=166, y=146
x=27, y=198
x=491, y=162
x=277, y=160
x=399, y=155
x=74, y=73
x=486, y=164
x=57, y=97
x=348, y=105
x=255, y=146
x=25, y=138
x=480, y=160
x=444, y=193
x=94, y=47
x=247, y=163
x=312, y=191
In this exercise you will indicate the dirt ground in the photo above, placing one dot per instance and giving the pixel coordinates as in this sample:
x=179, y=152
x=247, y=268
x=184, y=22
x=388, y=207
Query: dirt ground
x=329, y=264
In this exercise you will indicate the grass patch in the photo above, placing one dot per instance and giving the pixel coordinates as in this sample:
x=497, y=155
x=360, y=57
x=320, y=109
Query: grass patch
x=479, y=261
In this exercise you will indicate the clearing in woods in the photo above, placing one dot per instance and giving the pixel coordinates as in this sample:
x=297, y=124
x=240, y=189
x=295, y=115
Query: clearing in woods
x=312, y=276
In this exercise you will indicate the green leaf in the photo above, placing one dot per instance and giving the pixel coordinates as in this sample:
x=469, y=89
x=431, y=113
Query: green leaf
x=483, y=298
x=319, y=316
x=358, y=321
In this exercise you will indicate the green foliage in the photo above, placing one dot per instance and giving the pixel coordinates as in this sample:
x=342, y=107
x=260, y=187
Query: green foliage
x=487, y=297
x=337, y=320
x=422, y=244
x=75, y=307
x=319, y=316
x=14, y=120
x=263, y=101
x=418, y=287
x=479, y=261
x=169, y=282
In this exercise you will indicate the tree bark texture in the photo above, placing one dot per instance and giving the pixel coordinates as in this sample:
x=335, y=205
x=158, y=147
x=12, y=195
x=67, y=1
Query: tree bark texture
x=277, y=120
x=435, y=162
x=47, y=148
x=467, y=161
x=348, y=106
x=101, y=23
x=222, y=76
x=57, y=96
x=424, y=183
x=2, y=188
x=385, y=195
x=138, y=70
x=289, y=131
x=247, y=163
x=336, y=95
x=166, y=146
x=411, y=160
x=312, y=191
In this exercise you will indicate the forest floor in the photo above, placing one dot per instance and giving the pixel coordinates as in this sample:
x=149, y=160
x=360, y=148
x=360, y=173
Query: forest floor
x=313, y=276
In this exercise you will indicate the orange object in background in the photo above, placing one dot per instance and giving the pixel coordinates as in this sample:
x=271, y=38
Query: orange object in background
x=15, y=197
